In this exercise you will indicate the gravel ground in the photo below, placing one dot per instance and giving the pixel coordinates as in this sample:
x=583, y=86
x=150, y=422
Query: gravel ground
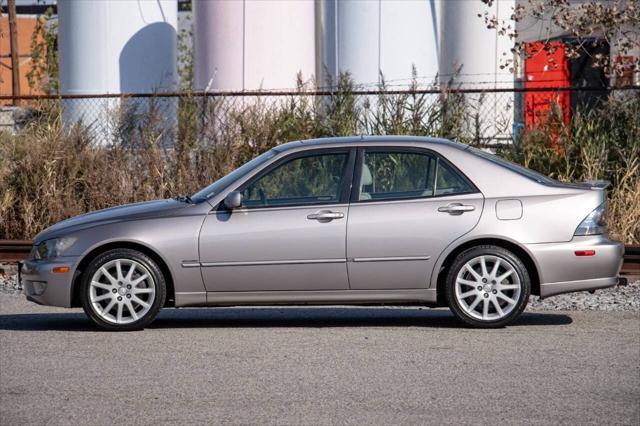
x=8, y=279
x=618, y=298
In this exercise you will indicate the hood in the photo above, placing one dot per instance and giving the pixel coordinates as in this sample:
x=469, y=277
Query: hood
x=147, y=209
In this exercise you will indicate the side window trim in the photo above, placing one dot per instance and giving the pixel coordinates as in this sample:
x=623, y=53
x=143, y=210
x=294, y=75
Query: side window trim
x=435, y=176
x=345, y=181
x=357, y=176
x=359, y=161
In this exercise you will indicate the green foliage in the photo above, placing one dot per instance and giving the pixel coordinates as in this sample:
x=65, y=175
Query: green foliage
x=340, y=110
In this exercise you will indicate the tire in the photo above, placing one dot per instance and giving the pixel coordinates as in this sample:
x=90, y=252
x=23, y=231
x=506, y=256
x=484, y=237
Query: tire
x=117, y=298
x=494, y=298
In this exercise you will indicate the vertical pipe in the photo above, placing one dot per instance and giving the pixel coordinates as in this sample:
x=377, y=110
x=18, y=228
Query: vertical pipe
x=336, y=38
x=379, y=43
x=13, y=41
x=244, y=44
x=319, y=27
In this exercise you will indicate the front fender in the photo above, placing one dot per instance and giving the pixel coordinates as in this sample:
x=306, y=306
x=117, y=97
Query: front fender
x=172, y=239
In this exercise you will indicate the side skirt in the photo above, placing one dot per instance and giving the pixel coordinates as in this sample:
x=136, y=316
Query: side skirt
x=322, y=297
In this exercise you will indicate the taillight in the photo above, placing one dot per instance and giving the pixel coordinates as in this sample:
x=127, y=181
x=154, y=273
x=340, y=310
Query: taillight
x=595, y=223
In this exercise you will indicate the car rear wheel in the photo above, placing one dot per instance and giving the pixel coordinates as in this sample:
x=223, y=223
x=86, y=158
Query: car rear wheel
x=487, y=286
x=122, y=289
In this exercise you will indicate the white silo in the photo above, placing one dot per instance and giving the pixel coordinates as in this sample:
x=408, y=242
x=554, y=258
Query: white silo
x=366, y=38
x=253, y=44
x=471, y=55
x=111, y=46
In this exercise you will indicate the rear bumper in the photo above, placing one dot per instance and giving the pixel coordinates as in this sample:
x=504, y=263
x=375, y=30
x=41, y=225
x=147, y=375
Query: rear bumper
x=551, y=289
x=45, y=287
x=561, y=271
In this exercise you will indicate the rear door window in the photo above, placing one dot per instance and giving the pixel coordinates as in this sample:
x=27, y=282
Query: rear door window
x=396, y=175
x=403, y=174
x=449, y=181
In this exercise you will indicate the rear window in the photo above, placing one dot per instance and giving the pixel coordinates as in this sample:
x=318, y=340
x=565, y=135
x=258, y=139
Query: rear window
x=523, y=171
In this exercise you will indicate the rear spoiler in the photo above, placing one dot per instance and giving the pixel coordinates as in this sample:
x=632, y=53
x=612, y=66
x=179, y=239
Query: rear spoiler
x=597, y=184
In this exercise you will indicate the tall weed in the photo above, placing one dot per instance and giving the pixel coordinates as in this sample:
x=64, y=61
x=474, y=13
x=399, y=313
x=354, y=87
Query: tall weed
x=49, y=172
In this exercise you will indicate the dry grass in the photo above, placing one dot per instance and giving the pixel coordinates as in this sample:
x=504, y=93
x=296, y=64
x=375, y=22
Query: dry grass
x=49, y=173
x=603, y=144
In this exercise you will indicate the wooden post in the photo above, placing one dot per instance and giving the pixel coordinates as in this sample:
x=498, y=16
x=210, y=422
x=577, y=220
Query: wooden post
x=13, y=40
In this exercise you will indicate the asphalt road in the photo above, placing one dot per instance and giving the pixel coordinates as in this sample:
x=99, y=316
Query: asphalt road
x=318, y=366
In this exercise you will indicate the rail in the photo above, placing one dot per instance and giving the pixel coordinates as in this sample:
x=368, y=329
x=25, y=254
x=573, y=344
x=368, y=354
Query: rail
x=13, y=250
x=631, y=263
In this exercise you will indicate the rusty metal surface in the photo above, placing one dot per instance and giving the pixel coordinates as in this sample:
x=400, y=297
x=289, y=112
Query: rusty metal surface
x=631, y=263
x=11, y=250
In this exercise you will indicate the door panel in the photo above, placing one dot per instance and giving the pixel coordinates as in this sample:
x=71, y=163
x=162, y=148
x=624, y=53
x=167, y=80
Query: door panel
x=290, y=232
x=407, y=206
x=394, y=245
x=274, y=249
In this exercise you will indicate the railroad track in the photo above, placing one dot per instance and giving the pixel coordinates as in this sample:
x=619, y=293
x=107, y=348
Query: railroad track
x=631, y=263
x=13, y=250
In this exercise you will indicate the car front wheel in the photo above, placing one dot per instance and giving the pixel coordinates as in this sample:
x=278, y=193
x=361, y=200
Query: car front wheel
x=122, y=289
x=487, y=286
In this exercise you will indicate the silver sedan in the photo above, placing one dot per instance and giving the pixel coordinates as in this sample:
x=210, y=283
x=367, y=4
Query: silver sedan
x=358, y=220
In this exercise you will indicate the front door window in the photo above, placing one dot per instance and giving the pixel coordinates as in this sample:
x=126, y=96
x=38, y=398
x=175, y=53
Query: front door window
x=308, y=180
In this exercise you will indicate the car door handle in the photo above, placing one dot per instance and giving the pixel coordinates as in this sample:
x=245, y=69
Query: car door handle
x=325, y=215
x=456, y=209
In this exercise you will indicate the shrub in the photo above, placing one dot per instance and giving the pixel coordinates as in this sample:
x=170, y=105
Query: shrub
x=49, y=172
x=601, y=144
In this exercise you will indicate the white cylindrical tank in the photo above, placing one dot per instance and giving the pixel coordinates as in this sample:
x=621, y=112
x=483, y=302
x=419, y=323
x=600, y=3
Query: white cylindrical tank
x=471, y=55
x=373, y=37
x=253, y=44
x=115, y=47
x=468, y=44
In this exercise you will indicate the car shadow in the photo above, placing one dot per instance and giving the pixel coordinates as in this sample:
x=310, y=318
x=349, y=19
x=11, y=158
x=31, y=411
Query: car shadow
x=274, y=317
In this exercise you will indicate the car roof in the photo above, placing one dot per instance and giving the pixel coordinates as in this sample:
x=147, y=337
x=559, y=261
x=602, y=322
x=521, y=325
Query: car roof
x=391, y=139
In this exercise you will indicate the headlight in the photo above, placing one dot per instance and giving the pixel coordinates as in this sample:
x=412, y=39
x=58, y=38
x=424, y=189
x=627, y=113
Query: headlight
x=595, y=223
x=52, y=248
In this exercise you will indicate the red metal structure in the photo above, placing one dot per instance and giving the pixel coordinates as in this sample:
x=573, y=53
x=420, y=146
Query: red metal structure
x=546, y=66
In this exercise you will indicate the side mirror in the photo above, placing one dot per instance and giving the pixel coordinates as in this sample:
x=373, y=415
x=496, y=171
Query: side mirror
x=233, y=200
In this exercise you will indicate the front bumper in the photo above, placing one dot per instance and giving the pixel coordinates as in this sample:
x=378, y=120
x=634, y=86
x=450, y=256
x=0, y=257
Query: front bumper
x=45, y=287
x=561, y=271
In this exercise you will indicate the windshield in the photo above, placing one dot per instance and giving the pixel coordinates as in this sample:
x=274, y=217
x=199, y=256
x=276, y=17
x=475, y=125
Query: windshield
x=513, y=166
x=227, y=180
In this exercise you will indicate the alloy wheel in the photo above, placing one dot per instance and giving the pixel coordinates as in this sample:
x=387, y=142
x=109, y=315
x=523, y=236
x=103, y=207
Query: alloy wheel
x=122, y=291
x=488, y=287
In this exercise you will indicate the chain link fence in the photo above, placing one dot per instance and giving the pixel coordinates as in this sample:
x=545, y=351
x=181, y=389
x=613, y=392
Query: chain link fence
x=75, y=154
x=480, y=117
